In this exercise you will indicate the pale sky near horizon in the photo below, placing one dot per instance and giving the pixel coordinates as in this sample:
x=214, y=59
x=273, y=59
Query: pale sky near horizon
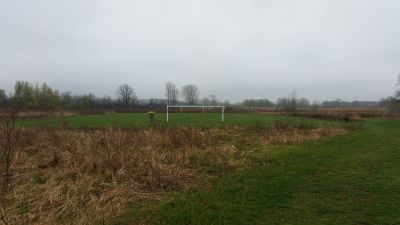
x=235, y=49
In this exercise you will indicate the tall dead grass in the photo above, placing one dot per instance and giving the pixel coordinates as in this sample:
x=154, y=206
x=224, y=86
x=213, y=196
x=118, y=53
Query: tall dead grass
x=70, y=175
x=77, y=176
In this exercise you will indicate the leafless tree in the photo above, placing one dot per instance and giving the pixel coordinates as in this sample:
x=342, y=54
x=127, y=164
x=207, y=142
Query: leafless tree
x=303, y=103
x=126, y=94
x=190, y=94
x=397, y=94
x=9, y=138
x=394, y=102
x=213, y=100
x=3, y=97
x=171, y=93
x=315, y=105
x=288, y=104
x=205, y=101
x=292, y=101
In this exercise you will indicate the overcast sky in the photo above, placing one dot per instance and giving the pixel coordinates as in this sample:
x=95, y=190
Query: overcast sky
x=235, y=49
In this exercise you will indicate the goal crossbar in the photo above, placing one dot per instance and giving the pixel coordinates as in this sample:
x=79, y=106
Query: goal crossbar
x=202, y=107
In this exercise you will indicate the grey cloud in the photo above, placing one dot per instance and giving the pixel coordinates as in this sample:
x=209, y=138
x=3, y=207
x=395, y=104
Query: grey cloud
x=232, y=48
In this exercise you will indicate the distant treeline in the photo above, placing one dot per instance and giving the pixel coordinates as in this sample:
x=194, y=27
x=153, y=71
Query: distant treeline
x=42, y=97
x=283, y=103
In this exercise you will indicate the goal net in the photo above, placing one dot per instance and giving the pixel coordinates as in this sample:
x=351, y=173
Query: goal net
x=203, y=108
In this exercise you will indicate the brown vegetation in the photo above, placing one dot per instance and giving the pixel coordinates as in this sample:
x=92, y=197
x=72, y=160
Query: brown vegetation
x=338, y=114
x=79, y=176
x=10, y=136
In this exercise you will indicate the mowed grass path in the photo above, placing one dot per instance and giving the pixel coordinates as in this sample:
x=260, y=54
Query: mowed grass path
x=354, y=179
x=142, y=119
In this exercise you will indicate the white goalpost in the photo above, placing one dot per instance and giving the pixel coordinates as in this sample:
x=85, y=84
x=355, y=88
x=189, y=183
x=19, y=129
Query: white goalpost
x=202, y=107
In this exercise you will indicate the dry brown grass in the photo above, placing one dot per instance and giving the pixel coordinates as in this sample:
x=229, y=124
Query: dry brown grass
x=333, y=113
x=345, y=113
x=287, y=133
x=29, y=114
x=78, y=176
x=295, y=136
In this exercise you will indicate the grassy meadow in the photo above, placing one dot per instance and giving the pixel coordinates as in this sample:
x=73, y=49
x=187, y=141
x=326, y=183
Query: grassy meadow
x=351, y=179
x=250, y=169
x=142, y=119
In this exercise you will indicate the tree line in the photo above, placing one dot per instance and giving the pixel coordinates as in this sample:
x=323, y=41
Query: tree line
x=28, y=96
x=393, y=103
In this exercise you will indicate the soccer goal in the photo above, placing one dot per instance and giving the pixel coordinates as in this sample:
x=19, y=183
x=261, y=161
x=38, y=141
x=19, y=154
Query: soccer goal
x=181, y=107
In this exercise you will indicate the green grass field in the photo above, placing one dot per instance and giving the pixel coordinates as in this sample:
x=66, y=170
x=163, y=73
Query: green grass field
x=351, y=179
x=354, y=179
x=142, y=119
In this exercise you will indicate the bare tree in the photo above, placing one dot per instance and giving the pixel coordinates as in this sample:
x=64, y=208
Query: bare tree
x=315, y=105
x=190, y=94
x=171, y=93
x=303, y=103
x=394, y=102
x=397, y=94
x=293, y=100
x=213, y=100
x=3, y=98
x=205, y=101
x=126, y=94
x=288, y=104
x=9, y=138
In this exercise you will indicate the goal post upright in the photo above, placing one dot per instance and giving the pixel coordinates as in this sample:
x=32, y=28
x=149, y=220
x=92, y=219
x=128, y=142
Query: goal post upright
x=223, y=114
x=202, y=107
